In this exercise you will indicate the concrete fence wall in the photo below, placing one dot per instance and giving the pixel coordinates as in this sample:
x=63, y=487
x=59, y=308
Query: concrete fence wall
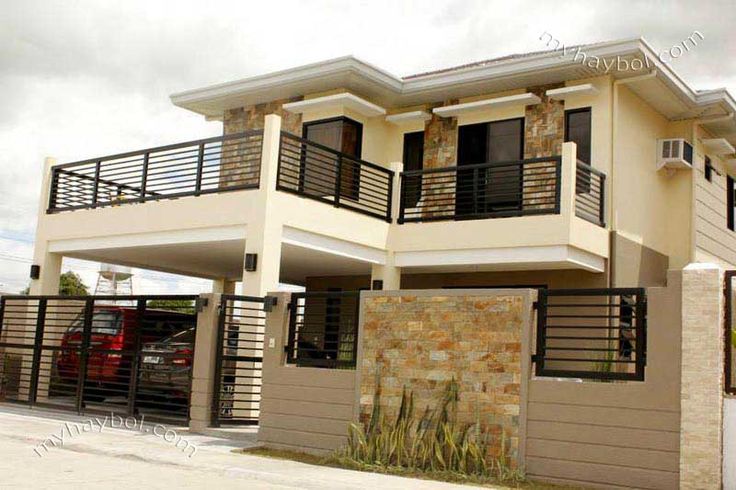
x=615, y=434
x=303, y=409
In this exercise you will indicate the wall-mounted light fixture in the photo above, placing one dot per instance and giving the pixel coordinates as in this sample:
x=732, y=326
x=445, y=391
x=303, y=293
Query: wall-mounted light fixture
x=377, y=285
x=35, y=271
x=251, y=262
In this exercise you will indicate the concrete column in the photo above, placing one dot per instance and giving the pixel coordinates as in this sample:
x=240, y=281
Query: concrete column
x=203, y=365
x=263, y=236
x=569, y=173
x=48, y=282
x=388, y=272
x=223, y=286
x=701, y=392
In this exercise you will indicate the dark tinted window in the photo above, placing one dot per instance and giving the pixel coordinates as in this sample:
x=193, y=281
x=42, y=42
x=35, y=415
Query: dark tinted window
x=729, y=202
x=577, y=130
x=340, y=134
x=505, y=140
x=708, y=169
x=413, y=160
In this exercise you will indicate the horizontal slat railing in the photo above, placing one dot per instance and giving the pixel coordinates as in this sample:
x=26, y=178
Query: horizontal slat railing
x=598, y=334
x=590, y=187
x=317, y=172
x=487, y=190
x=219, y=164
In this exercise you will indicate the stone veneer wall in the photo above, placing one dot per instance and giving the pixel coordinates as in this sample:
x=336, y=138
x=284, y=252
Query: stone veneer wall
x=423, y=339
x=234, y=172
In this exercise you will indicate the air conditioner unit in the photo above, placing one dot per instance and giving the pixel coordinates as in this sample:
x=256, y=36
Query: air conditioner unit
x=674, y=154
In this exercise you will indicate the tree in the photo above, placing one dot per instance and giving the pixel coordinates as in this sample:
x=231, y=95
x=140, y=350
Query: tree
x=180, y=305
x=70, y=284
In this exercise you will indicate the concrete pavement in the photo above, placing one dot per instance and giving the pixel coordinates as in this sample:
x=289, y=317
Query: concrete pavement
x=48, y=449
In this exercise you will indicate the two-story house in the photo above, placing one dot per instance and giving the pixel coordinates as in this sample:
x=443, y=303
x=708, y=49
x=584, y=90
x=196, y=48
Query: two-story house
x=537, y=169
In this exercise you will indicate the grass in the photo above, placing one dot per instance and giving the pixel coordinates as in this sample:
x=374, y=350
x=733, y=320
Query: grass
x=330, y=461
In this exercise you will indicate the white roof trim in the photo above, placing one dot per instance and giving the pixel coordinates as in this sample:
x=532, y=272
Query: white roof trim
x=574, y=90
x=409, y=117
x=719, y=146
x=481, y=105
x=346, y=99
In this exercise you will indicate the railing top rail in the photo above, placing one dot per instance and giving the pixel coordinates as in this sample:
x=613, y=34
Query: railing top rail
x=387, y=171
x=103, y=298
x=160, y=148
x=590, y=169
x=507, y=163
x=236, y=297
x=324, y=293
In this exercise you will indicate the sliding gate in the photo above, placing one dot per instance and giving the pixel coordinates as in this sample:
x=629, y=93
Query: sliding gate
x=129, y=355
x=239, y=359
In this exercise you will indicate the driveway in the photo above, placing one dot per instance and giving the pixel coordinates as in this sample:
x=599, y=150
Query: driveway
x=47, y=449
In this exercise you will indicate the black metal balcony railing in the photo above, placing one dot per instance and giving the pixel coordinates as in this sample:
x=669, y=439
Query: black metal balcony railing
x=317, y=172
x=487, y=190
x=590, y=187
x=224, y=163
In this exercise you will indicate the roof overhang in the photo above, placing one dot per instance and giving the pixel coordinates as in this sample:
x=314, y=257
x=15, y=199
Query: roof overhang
x=664, y=90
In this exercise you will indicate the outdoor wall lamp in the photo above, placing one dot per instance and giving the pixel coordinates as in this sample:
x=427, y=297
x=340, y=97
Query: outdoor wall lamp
x=251, y=261
x=377, y=285
x=35, y=271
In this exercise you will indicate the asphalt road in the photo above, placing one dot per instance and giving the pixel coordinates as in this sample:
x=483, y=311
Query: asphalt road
x=45, y=449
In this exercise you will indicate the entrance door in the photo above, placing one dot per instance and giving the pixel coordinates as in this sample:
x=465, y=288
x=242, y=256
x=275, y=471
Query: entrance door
x=497, y=186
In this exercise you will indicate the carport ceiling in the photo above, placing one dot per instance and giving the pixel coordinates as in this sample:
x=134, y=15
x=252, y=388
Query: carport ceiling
x=298, y=263
x=205, y=259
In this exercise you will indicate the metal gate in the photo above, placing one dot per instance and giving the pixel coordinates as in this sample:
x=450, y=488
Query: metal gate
x=130, y=355
x=239, y=360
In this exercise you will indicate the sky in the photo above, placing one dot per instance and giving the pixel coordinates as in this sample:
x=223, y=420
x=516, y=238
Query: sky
x=80, y=79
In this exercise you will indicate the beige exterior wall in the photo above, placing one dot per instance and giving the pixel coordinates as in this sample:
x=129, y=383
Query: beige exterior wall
x=303, y=409
x=648, y=207
x=614, y=435
x=714, y=242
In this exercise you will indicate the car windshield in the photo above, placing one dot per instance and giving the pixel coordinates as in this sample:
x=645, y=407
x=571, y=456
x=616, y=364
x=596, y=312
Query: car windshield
x=103, y=323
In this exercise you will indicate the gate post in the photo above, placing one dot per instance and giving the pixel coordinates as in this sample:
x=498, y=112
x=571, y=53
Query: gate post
x=701, y=389
x=203, y=366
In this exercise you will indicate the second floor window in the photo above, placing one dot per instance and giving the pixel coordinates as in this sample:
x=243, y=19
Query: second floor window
x=708, y=169
x=730, y=203
x=577, y=130
x=340, y=134
x=413, y=160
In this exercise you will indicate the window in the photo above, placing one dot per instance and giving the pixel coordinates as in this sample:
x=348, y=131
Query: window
x=496, y=189
x=708, y=170
x=413, y=160
x=729, y=203
x=577, y=130
x=340, y=134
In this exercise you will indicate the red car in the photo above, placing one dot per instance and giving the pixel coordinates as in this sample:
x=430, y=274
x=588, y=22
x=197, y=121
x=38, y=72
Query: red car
x=112, y=344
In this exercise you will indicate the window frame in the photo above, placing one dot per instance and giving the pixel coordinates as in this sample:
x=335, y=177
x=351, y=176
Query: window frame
x=417, y=179
x=708, y=169
x=583, y=178
x=730, y=202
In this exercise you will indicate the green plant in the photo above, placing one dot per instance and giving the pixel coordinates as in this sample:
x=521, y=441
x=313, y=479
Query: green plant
x=433, y=443
x=733, y=338
x=605, y=365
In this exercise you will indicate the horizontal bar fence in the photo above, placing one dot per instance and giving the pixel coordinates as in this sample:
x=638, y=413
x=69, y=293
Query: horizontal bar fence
x=323, y=329
x=239, y=360
x=590, y=187
x=317, y=172
x=131, y=355
x=481, y=191
x=224, y=163
x=598, y=334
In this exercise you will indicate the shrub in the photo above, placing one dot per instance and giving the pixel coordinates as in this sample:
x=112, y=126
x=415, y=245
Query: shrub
x=432, y=443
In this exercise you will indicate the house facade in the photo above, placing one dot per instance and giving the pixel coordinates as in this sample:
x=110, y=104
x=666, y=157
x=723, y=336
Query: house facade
x=524, y=179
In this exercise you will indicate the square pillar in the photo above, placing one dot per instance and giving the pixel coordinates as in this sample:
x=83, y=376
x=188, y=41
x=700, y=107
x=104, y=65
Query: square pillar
x=50, y=263
x=701, y=392
x=203, y=364
x=388, y=273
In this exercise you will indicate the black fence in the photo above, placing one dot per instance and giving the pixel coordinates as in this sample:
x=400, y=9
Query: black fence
x=730, y=335
x=323, y=329
x=591, y=333
x=130, y=354
x=590, y=187
x=317, y=172
x=224, y=163
x=481, y=191
x=239, y=361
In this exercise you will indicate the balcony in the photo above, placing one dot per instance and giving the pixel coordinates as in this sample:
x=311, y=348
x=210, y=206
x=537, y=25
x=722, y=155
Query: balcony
x=498, y=190
x=221, y=164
